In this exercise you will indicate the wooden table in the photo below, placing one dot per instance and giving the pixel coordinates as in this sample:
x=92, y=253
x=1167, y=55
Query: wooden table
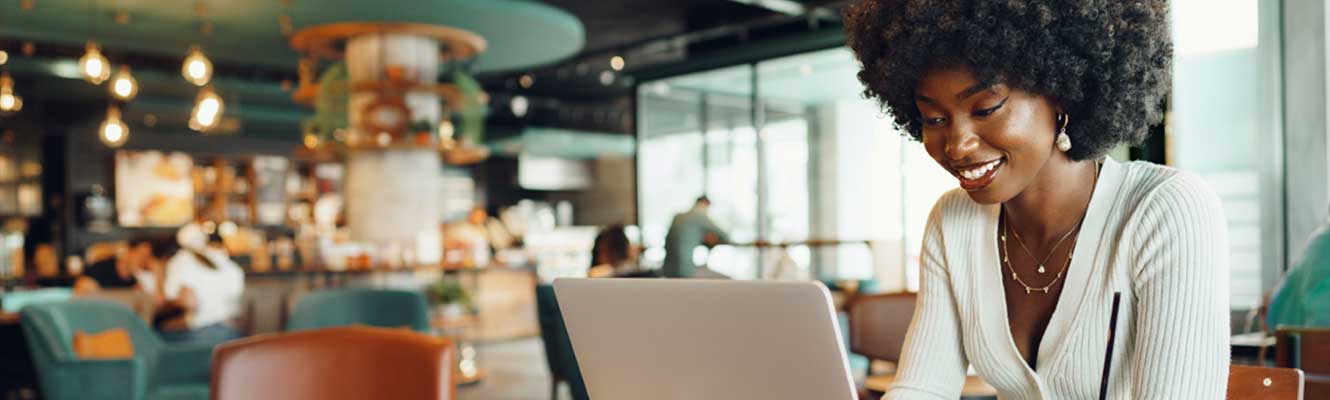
x=974, y=386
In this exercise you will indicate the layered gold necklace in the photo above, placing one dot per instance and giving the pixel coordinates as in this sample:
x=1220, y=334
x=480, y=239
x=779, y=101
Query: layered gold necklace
x=1006, y=254
x=1017, y=277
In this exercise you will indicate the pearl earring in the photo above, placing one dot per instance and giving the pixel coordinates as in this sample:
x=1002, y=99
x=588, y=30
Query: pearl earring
x=1063, y=142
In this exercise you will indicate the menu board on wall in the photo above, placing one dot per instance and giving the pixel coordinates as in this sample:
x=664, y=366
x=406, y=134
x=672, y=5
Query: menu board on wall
x=153, y=188
x=270, y=190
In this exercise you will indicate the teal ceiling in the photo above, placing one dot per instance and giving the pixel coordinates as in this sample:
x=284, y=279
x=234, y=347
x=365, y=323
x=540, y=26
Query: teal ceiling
x=520, y=34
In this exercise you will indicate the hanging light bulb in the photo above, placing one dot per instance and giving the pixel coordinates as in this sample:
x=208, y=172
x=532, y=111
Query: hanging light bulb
x=94, y=66
x=124, y=87
x=207, y=111
x=197, y=69
x=519, y=105
x=113, y=131
x=9, y=102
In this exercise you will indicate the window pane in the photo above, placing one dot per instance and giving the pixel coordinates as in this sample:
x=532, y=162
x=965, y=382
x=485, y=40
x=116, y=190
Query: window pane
x=1224, y=126
x=696, y=137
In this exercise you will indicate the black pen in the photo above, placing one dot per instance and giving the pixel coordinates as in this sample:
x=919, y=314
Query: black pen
x=1108, y=354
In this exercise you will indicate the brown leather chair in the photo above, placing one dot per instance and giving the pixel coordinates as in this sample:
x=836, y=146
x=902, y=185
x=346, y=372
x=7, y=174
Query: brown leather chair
x=334, y=364
x=1307, y=349
x=878, y=324
x=1261, y=383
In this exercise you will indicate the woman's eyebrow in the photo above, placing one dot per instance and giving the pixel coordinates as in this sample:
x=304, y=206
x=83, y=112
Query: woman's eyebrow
x=972, y=90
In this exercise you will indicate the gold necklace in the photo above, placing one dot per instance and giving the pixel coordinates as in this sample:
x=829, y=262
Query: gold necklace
x=1020, y=242
x=1017, y=277
x=1006, y=253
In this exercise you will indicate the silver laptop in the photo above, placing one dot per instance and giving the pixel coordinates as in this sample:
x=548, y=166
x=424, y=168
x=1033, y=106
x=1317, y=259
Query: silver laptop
x=672, y=339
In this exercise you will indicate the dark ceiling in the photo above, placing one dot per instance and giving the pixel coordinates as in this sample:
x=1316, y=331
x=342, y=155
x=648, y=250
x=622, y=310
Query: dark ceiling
x=614, y=23
x=651, y=35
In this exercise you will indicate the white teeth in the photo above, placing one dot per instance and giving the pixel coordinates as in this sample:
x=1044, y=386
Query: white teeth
x=980, y=171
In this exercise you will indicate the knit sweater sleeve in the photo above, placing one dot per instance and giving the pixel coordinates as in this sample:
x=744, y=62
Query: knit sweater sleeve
x=1181, y=283
x=933, y=359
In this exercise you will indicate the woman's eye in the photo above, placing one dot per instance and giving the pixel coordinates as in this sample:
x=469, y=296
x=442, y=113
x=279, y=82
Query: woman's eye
x=934, y=121
x=989, y=111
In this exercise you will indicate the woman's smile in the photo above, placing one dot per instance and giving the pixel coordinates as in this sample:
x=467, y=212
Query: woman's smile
x=977, y=176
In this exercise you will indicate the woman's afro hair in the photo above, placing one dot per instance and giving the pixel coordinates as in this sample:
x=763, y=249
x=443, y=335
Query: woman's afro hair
x=1106, y=63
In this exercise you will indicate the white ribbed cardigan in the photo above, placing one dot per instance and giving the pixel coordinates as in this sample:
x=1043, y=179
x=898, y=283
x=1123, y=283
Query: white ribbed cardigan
x=1155, y=234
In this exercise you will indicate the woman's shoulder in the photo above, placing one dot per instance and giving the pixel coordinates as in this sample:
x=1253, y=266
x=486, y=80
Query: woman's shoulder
x=1155, y=188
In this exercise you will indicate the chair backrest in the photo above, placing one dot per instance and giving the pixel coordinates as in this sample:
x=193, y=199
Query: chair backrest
x=1261, y=383
x=15, y=301
x=141, y=303
x=1307, y=349
x=559, y=354
x=878, y=324
x=335, y=364
x=384, y=308
x=49, y=328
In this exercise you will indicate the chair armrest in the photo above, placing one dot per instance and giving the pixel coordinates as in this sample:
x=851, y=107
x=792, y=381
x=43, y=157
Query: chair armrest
x=185, y=364
x=95, y=379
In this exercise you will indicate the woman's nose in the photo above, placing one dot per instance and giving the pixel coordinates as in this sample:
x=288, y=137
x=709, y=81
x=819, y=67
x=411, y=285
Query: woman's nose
x=961, y=141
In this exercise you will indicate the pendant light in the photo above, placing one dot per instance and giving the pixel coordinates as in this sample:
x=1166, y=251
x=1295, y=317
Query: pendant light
x=197, y=69
x=9, y=102
x=113, y=132
x=124, y=87
x=207, y=111
x=94, y=66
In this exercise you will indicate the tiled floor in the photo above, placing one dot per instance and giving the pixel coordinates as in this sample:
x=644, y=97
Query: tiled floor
x=515, y=370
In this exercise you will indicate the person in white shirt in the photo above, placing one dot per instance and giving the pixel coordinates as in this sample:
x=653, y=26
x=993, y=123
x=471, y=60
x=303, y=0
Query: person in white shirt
x=207, y=286
x=1020, y=101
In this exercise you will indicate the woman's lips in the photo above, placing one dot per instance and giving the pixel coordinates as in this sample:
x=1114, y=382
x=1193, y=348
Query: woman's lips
x=979, y=176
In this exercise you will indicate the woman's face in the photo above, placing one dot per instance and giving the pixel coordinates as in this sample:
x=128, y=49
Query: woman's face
x=994, y=139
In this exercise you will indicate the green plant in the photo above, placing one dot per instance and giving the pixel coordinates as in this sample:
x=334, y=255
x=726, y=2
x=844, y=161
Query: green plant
x=448, y=292
x=419, y=126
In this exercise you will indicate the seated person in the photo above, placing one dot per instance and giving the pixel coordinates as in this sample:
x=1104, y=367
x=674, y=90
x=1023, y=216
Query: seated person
x=135, y=268
x=203, y=289
x=613, y=256
x=1303, y=298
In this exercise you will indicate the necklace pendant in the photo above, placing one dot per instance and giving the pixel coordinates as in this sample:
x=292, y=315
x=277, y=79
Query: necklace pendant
x=1045, y=290
x=1027, y=290
x=1041, y=269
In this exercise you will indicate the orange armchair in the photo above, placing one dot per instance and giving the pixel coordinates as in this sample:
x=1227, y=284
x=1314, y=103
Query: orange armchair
x=334, y=364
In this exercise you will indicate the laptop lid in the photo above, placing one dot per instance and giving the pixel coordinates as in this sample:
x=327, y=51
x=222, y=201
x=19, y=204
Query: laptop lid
x=658, y=339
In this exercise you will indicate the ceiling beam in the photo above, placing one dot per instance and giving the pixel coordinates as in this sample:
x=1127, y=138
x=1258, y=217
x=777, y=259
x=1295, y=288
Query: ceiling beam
x=787, y=7
x=791, y=8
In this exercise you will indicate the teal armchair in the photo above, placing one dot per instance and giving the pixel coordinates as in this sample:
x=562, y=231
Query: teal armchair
x=156, y=372
x=559, y=354
x=384, y=308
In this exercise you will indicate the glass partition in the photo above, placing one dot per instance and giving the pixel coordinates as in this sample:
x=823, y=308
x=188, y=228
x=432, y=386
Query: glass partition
x=1225, y=126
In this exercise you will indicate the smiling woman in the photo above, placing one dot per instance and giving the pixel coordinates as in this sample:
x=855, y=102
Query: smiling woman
x=1019, y=101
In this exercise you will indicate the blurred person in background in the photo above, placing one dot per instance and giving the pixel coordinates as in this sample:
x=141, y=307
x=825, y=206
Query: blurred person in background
x=1303, y=297
x=138, y=267
x=689, y=230
x=613, y=255
x=203, y=289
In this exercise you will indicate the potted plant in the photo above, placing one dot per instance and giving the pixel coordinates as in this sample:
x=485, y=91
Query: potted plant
x=422, y=132
x=449, y=298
